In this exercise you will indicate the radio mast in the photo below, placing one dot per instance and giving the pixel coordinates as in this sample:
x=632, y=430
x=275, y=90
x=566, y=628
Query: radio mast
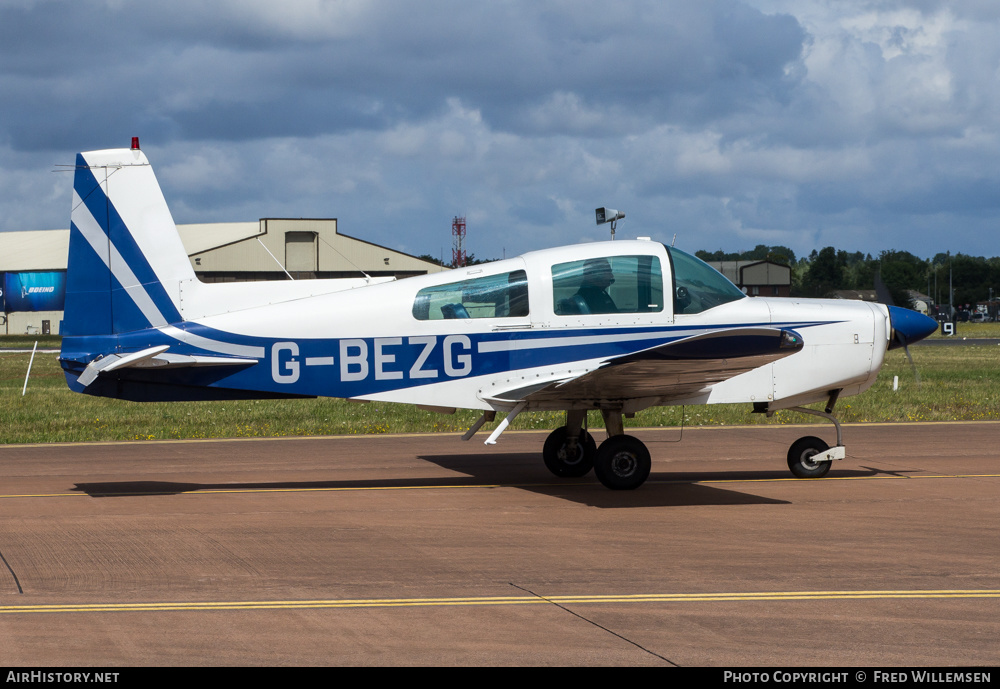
x=458, y=257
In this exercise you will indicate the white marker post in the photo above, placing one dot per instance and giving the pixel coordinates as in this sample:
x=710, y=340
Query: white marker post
x=30, y=362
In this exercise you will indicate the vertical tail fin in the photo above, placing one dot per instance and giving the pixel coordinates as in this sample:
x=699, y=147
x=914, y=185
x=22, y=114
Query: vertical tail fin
x=126, y=260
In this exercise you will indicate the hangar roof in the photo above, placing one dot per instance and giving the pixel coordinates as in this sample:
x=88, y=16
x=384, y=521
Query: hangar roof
x=216, y=245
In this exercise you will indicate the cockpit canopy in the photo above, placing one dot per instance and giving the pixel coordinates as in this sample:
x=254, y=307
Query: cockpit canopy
x=698, y=286
x=628, y=283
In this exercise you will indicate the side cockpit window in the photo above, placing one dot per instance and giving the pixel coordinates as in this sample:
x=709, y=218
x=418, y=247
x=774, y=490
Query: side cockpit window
x=492, y=296
x=698, y=286
x=614, y=284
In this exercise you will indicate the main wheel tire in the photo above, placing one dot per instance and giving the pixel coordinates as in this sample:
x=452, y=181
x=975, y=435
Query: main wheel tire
x=622, y=463
x=563, y=463
x=800, y=456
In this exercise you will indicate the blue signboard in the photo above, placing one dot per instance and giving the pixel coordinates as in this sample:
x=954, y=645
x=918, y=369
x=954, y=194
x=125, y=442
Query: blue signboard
x=33, y=291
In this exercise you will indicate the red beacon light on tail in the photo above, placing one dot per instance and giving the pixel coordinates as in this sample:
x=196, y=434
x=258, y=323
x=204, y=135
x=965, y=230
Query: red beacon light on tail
x=135, y=143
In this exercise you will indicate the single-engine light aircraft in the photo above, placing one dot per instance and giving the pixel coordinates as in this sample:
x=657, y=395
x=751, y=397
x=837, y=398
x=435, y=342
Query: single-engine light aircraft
x=612, y=326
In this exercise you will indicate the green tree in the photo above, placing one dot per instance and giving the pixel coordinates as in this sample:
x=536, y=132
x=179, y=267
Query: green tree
x=826, y=273
x=430, y=259
x=762, y=252
x=902, y=271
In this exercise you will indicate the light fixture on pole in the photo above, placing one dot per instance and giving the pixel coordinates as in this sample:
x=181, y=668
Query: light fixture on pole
x=605, y=215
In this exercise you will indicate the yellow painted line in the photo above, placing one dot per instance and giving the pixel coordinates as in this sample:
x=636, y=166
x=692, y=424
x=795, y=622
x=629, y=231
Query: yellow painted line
x=43, y=495
x=192, y=441
x=430, y=434
x=264, y=490
x=501, y=600
x=343, y=489
x=836, y=478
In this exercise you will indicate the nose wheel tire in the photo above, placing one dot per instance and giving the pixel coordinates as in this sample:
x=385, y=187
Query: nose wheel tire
x=567, y=463
x=800, y=456
x=622, y=463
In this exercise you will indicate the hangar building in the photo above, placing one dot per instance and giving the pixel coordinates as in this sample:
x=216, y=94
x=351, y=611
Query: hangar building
x=33, y=263
x=757, y=278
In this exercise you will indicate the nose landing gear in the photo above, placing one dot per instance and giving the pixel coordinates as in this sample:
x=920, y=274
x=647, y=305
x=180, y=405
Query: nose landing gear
x=811, y=457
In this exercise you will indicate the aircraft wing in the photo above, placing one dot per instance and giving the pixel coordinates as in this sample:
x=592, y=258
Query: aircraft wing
x=673, y=370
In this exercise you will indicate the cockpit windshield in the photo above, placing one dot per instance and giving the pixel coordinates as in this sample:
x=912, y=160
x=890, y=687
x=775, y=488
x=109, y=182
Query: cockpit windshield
x=698, y=286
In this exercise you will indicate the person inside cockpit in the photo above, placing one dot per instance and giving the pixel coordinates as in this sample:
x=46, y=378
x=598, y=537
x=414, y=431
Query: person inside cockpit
x=597, y=278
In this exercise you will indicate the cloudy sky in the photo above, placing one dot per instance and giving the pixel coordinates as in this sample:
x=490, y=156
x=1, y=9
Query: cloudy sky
x=864, y=125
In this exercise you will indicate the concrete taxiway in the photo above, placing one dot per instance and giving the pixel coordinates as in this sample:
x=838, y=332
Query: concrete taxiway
x=385, y=550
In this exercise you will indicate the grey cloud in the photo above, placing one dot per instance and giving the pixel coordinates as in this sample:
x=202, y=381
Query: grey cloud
x=683, y=61
x=730, y=122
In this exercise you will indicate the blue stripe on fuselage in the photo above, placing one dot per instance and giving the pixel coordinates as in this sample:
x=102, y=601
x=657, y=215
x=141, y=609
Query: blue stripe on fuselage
x=353, y=367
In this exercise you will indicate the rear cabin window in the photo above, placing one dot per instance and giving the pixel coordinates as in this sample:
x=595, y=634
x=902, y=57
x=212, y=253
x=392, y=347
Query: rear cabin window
x=492, y=296
x=616, y=284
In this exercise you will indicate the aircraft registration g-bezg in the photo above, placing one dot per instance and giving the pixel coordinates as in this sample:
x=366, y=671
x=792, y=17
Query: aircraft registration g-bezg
x=613, y=326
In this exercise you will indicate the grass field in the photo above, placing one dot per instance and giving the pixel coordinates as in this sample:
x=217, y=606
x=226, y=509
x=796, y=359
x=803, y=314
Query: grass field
x=957, y=383
x=973, y=330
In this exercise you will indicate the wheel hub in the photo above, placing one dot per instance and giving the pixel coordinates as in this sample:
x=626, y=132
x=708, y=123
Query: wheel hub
x=571, y=457
x=807, y=459
x=624, y=464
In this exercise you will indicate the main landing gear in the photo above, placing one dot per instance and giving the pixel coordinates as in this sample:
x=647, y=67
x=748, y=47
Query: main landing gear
x=622, y=462
x=569, y=454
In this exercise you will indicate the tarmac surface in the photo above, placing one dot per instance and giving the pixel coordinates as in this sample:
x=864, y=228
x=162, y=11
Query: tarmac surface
x=424, y=550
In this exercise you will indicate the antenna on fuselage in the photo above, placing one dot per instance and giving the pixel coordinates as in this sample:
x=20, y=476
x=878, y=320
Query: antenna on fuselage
x=605, y=215
x=280, y=265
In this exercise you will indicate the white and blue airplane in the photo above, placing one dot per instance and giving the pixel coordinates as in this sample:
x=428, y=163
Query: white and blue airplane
x=612, y=326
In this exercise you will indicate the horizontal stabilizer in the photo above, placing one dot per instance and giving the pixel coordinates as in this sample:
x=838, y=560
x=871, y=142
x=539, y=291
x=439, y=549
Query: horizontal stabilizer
x=154, y=357
x=113, y=361
x=187, y=360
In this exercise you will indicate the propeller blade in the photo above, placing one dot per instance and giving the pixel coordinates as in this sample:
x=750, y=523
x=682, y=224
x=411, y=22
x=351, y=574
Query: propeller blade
x=909, y=327
x=916, y=373
x=882, y=292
